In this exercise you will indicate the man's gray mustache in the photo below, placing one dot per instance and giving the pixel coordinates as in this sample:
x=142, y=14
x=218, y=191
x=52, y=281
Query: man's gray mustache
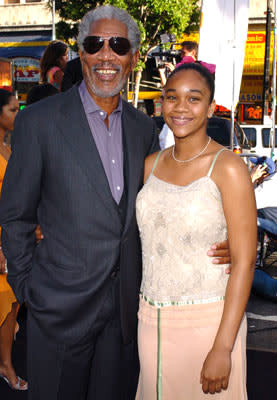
x=106, y=66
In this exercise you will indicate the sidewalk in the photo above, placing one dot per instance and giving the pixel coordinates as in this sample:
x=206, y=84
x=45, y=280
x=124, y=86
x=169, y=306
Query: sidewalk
x=262, y=341
x=262, y=315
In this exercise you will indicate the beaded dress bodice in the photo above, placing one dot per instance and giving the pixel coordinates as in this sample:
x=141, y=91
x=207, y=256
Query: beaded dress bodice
x=178, y=225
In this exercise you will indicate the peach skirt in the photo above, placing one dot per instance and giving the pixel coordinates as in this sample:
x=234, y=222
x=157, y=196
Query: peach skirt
x=186, y=336
x=7, y=298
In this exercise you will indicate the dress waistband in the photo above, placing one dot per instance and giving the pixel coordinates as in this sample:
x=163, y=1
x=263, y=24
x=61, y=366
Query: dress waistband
x=181, y=302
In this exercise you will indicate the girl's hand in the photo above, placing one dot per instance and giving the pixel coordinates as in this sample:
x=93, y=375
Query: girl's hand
x=2, y=262
x=216, y=371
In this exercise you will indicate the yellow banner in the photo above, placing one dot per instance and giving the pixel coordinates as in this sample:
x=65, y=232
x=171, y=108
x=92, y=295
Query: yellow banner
x=254, y=51
x=251, y=90
x=23, y=44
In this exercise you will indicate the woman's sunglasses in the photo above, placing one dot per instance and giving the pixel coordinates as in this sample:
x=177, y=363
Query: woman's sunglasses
x=120, y=45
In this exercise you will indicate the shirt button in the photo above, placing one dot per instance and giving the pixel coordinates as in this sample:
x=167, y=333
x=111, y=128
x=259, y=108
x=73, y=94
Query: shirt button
x=113, y=161
x=101, y=113
x=118, y=187
x=110, y=134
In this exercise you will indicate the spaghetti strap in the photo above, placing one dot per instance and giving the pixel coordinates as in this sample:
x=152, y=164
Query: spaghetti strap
x=214, y=160
x=156, y=161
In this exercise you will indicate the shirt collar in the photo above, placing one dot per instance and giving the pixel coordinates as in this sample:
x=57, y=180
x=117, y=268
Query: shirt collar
x=89, y=104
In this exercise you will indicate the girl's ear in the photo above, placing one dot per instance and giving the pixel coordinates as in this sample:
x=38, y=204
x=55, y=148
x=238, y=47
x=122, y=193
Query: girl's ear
x=211, y=109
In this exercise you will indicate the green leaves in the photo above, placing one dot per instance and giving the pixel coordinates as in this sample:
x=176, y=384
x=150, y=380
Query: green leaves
x=153, y=17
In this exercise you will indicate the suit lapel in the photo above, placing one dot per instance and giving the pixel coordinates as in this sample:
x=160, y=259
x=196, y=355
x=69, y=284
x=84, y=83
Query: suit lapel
x=75, y=129
x=130, y=129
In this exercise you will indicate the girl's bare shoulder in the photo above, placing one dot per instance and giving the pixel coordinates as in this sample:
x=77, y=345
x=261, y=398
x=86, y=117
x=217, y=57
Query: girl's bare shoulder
x=150, y=161
x=230, y=166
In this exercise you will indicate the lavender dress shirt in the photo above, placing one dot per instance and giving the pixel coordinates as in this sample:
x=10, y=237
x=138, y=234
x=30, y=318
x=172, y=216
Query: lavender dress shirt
x=108, y=140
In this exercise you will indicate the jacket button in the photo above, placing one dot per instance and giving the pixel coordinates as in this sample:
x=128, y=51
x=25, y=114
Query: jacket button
x=114, y=274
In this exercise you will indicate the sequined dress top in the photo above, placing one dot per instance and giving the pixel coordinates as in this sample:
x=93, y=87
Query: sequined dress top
x=178, y=225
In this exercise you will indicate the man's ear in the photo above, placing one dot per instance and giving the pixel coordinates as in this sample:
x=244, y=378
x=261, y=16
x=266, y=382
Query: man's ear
x=134, y=61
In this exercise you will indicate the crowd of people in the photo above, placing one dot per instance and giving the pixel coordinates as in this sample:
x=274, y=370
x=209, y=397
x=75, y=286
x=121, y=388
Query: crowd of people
x=135, y=263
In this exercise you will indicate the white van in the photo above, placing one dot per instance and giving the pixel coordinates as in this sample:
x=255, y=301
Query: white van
x=258, y=138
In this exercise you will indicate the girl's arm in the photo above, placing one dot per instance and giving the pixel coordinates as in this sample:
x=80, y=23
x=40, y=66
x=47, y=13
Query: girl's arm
x=233, y=179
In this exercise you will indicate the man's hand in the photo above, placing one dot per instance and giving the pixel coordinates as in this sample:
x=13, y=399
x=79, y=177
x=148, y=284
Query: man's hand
x=221, y=253
x=169, y=66
x=259, y=173
x=2, y=262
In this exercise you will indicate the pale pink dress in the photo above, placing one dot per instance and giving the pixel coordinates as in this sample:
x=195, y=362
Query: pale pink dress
x=182, y=292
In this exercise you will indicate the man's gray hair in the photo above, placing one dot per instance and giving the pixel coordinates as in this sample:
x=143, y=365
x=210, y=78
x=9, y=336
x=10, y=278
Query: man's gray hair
x=109, y=12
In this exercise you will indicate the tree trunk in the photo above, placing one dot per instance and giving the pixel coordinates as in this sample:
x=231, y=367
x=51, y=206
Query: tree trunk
x=137, y=84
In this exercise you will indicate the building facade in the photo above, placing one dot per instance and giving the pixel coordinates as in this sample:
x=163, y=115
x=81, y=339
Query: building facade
x=251, y=93
x=25, y=31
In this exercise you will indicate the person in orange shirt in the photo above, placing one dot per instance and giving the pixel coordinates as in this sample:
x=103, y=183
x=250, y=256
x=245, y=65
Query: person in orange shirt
x=9, y=306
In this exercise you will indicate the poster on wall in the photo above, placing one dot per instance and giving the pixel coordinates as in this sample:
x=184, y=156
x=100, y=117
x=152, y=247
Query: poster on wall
x=26, y=69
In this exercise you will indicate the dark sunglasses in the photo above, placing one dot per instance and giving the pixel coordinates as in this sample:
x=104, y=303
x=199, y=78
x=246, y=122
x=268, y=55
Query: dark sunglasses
x=120, y=45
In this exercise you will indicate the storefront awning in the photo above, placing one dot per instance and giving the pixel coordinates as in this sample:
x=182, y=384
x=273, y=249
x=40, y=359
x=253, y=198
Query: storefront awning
x=25, y=45
x=35, y=50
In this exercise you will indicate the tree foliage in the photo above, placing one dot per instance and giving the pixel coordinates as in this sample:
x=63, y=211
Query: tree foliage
x=153, y=17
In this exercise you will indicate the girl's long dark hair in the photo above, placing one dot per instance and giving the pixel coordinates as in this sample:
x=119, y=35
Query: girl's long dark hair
x=50, y=57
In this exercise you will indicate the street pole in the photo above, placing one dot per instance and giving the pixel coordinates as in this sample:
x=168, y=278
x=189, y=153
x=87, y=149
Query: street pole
x=53, y=20
x=234, y=48
x=273, y=94
x=267, y=62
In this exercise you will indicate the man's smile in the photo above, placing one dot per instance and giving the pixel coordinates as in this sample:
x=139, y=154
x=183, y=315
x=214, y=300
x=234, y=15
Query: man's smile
x=106, y=73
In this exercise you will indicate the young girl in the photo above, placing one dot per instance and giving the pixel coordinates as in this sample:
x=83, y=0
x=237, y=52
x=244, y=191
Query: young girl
x=192, y=328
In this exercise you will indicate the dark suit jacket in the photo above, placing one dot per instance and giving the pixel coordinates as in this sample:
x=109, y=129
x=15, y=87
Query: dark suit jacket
x=73, y=73
x=55, y=178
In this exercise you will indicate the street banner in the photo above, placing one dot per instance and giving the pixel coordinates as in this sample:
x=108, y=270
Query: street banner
x=223, y=33
x=26, y=69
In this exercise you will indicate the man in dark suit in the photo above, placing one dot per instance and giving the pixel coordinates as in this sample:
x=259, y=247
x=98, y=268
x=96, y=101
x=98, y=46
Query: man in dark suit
x=77, y=164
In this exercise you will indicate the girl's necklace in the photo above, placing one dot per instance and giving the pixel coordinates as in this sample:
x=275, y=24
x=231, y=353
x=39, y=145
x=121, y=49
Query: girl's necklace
x=192, y=158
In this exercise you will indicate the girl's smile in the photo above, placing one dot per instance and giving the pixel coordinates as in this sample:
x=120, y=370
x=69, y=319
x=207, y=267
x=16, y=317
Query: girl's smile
x=186, y=103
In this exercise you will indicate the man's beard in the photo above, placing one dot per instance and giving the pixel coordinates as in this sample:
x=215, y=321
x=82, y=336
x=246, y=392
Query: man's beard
x=102, y=92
